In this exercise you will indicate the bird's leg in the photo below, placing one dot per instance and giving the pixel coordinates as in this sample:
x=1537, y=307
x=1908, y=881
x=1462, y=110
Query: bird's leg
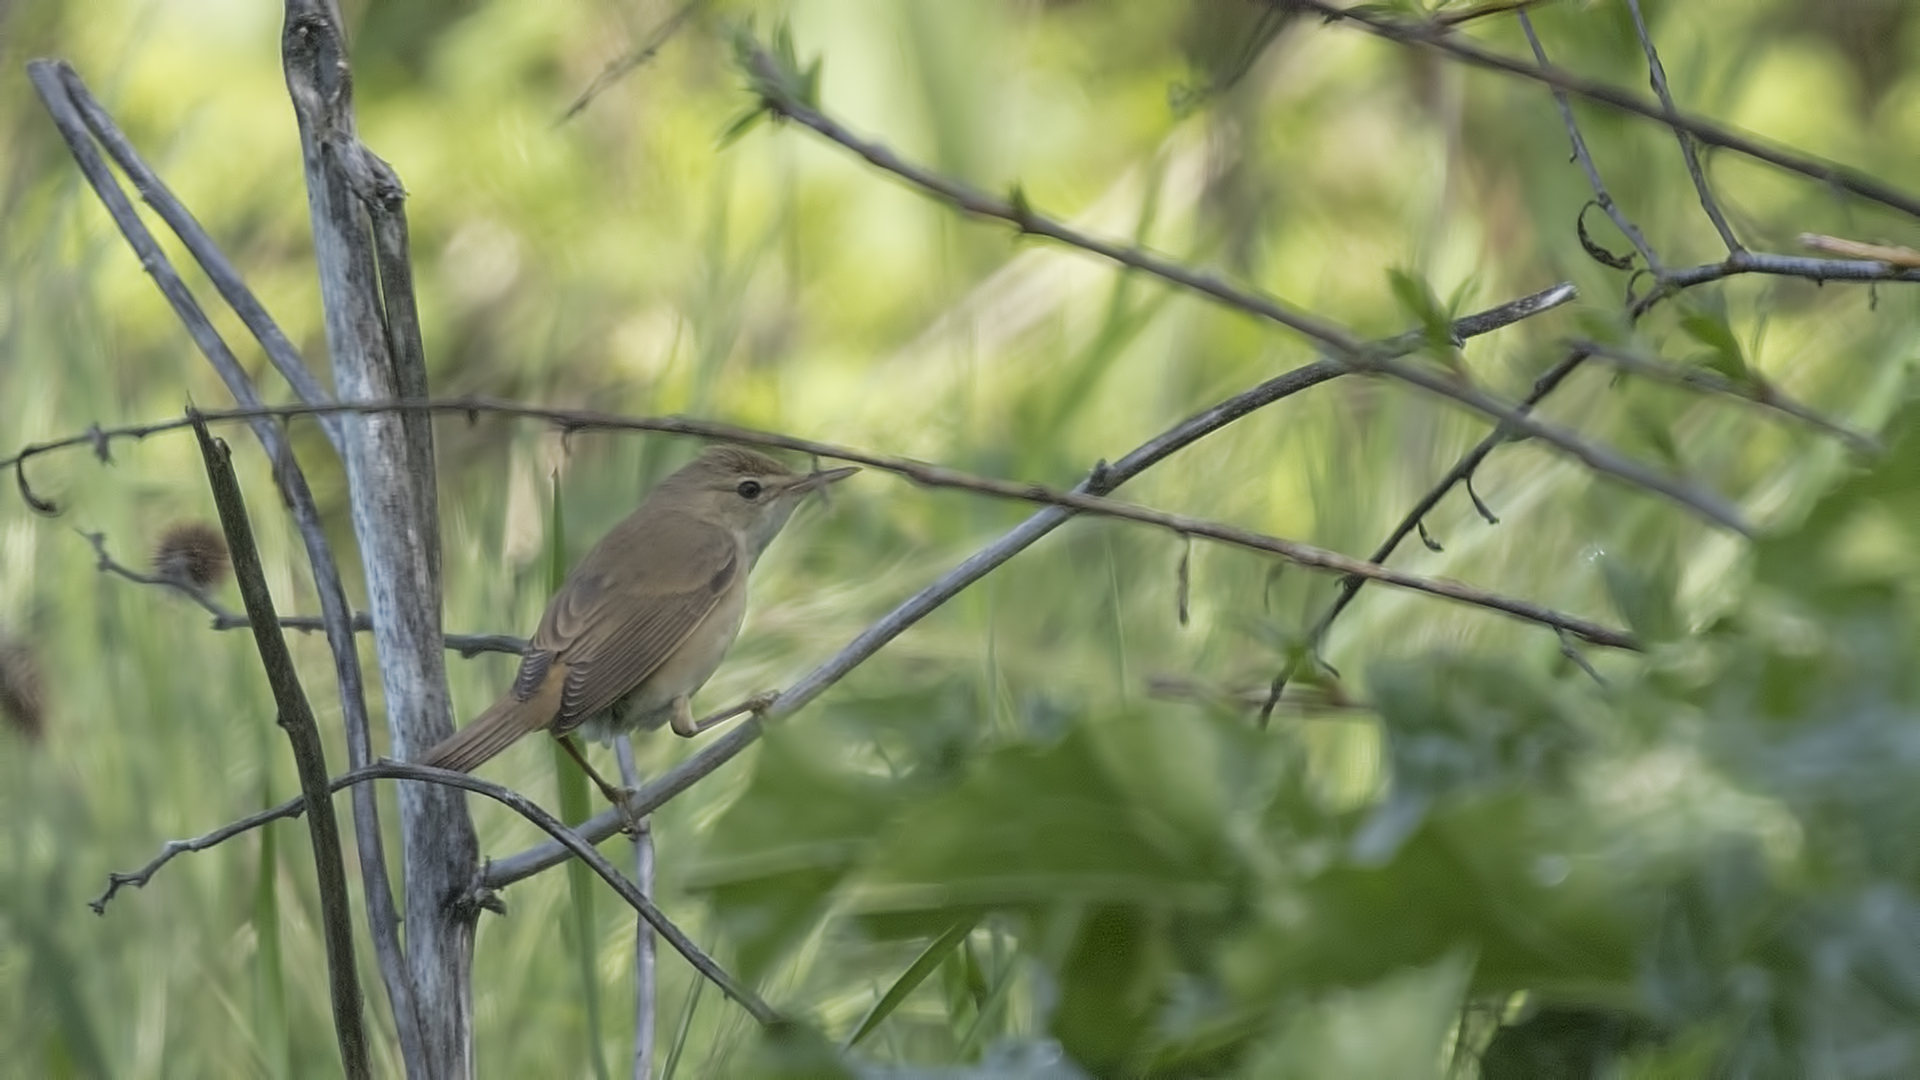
x=615, y=795
x=685, y=725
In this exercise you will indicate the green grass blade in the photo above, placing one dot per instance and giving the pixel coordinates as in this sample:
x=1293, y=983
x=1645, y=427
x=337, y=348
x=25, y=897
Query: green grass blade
x=270, y=981
x=909, y=980
x=572, y=785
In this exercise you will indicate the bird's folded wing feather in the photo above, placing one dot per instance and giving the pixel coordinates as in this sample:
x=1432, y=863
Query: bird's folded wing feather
x=629, y=605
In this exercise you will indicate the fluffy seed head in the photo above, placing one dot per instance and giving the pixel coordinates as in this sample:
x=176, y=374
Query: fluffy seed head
x=191, y=552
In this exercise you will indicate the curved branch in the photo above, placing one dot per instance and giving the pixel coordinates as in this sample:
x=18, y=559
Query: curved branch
x=569, y=839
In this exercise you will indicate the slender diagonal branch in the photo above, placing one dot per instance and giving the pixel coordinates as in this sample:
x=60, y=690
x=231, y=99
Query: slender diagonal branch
x=296, y=718
x=1657, y=76
x=780, y=97
x=1438, y=38
x=1757, y=393
x=219, y=269
x=1104, y=478
x=779, y=93
x=573, y=841
x=632, y=61
x=1293, y=551
x=1600, y=194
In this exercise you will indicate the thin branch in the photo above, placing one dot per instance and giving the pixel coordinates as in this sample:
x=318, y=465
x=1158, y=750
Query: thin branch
x=939, y=476
x=57, y=86
x=575, y=843
x=1461, y=473
x=296, y=718
x=782, y=98
x=467, y=645
x=1438, y=38
x=627, y=64
x=1657, y=75
x=219, y=269
x=1103, y=478
x=1600, y=194
x=1893, y=255
x=1868, y=269
x=1482, y=11
x=646, y=986
x=1759, y=393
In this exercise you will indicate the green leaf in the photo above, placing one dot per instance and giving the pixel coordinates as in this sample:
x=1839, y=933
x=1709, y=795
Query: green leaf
x=910, y=980
x=270, y=981
x=1418, y=299
x=788, y=1050
x=1460, y=727
x=581, y=932
x=776, y=855
x=740, y=125
x=1395, y=1029
x=1111, y=983
x=1642, y=591
x=1704, y=318
x=1033, y=824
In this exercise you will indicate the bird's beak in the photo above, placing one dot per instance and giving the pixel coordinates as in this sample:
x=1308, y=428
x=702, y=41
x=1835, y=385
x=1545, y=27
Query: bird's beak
x=822, y=477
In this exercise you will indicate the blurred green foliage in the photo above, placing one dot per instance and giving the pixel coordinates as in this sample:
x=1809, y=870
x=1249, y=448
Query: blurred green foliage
x=1494, y=865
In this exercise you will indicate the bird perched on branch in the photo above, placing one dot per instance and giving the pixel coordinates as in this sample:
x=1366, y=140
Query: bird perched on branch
x=644, y=620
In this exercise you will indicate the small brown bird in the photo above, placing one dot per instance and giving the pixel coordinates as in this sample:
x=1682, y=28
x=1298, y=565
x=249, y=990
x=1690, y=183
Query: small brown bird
x=643, y=621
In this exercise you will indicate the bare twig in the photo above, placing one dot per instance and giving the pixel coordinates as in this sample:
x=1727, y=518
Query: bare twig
x=57, y=87
x=296, y=718
x=1657, y=75
x=942, y=477
x=1104, y=478
x=1758, y=393
x=467, y=645
x=1891, y=254
x=645, y=985
x=1600, y=194
x=1428, y=35
x=575, y=843
x=219, y=269
x=1482, y=11
x=1461, y=473
x=781, y=97
x=625, y=65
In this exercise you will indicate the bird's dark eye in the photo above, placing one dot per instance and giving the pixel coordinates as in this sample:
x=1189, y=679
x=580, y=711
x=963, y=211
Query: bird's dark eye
x=749, y=489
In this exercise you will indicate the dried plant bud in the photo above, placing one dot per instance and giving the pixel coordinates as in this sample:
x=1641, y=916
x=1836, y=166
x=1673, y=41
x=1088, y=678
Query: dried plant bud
x=193, y=553
x=22, y=691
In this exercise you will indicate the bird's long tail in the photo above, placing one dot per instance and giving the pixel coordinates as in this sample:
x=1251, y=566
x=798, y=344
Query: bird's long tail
x=496, y=729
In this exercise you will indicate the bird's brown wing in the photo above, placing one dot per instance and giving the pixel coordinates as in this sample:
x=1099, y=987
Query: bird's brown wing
x=631, y=602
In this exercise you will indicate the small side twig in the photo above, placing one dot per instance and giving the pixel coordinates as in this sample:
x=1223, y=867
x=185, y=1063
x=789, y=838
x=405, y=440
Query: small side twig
x=780, y=96
x=1657, y=75
x=296, y=718
x=1759, y=394
x=632, y=61
x=1371, y=19
x=1600, y=194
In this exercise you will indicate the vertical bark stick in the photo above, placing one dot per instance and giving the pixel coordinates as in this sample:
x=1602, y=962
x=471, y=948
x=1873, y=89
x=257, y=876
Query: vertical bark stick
x=395, y=516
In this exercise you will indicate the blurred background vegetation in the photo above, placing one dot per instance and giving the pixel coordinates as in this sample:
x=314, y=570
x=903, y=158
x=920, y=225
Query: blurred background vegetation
x=1700, y=866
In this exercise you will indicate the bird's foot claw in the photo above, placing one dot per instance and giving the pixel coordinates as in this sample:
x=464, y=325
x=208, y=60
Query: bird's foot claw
x=631, y=823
